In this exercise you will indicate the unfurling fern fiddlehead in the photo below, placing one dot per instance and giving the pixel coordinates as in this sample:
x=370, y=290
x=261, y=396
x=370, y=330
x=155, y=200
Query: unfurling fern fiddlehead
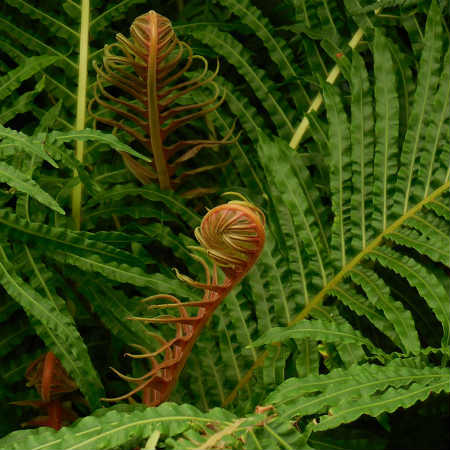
x=148, y=75
x=233, y=236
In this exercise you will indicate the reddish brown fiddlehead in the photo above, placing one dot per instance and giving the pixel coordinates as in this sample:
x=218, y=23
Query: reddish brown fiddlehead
x=47, y=375
x=233, y=236
x=148, y=74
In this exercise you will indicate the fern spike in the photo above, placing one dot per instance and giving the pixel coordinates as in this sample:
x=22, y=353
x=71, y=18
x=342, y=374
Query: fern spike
x=149, y=71
x=233, y=236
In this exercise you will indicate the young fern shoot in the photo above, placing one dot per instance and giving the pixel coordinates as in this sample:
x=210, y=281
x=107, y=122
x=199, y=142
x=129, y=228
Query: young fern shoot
x=233, y=236
x=140, y=84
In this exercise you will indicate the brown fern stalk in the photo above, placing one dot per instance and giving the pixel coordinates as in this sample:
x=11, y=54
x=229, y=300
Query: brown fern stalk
x=47, y=375
x=137, y=91
x=233, y=236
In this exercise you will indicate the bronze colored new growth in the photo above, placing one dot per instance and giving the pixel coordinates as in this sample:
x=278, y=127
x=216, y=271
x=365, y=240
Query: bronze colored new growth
x=232, y=235
x=138, y=90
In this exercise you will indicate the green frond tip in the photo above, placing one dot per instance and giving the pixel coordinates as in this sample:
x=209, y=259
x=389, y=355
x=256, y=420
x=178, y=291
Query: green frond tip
x=29, y=144
x=24, y=183
x=96, y=136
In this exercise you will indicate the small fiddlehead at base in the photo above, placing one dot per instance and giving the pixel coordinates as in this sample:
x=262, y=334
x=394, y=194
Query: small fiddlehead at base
x=139, y=91
x=47, y=375
x=233, y=236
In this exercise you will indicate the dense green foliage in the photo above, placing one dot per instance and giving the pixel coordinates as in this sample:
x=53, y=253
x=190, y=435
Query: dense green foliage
x=342, y=328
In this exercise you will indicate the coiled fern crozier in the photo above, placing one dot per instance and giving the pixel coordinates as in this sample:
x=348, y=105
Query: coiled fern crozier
x=233, y=236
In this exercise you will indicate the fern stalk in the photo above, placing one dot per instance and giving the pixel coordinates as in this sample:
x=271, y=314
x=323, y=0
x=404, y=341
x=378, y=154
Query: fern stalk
x=372, y=246
x=81, y=106
x=152, y=104
x=318, y=100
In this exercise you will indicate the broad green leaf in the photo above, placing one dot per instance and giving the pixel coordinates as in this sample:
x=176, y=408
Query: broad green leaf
x=61, y=239
x=278, y=49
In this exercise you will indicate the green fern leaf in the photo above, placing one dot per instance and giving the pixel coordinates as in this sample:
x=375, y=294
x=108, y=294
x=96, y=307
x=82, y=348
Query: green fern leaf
x=414, y=144
x=389, y=401
x=422, y=279
x=378, y=293
x=24, y=183
x=114, y=313
x=60, y=238
x=114, y=427
x=340, y=175
x=22, y=104
x=30, y=67
x=344, y=388
x=150, y=192
x=278, y=49
x=236, y=54
x=58, y=331
x=285, y=169
x=433, y=163
x=316, y=329
x=31, y=145
x=94, y=135
x=122, y=273
x=362, y=137
x=386, y=133
x=349, y=295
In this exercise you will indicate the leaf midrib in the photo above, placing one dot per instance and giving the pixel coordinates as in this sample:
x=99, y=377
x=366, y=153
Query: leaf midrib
x=360, y=256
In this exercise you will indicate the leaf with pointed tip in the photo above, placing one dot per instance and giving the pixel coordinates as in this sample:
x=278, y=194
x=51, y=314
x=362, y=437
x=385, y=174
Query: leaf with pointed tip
x=23, y=183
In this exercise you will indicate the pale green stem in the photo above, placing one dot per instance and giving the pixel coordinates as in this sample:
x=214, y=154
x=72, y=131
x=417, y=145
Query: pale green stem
x=80, y=122
x=318, y=100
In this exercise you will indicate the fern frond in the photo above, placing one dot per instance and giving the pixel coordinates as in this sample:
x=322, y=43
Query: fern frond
x=348, y=294
x=30, y=67
x=422, y=279
x=340, y=176
x=57, y=329
x=174, y=202
x=236, y=54
x=378, y=293
x=415, y=144
x=61, y=239
x=30, y=144
x=332, y=332
x=278, y=49
x=87, y=134
x=357, y=386
x=362, y=139
x=386, y=134
x=23, y=183
x=22, y=104
x=149, y=68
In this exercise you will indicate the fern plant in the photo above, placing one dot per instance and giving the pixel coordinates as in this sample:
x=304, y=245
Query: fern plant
x=339, y=332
